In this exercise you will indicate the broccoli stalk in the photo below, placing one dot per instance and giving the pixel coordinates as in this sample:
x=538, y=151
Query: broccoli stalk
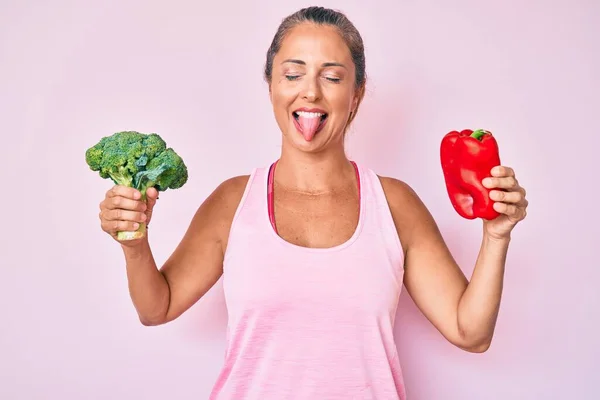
x=140, y=161
x=121, y=177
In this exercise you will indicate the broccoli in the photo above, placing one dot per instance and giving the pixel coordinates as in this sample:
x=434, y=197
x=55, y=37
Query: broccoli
x=140, y=161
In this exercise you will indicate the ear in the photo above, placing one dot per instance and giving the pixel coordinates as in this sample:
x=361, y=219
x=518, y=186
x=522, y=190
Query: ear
x=358, y=97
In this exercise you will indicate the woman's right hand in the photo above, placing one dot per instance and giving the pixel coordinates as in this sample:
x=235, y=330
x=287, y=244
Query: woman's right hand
x=123, y=210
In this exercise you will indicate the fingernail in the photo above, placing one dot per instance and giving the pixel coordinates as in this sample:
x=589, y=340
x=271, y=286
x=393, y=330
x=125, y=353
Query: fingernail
x=136, y=225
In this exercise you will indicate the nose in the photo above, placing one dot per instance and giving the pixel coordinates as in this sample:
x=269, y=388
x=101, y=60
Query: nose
x=311, y=91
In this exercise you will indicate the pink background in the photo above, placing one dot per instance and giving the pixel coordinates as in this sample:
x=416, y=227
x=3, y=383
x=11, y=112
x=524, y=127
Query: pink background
x=73, y=71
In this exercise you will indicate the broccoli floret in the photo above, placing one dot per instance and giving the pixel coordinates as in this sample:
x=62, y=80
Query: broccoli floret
x=140, y=161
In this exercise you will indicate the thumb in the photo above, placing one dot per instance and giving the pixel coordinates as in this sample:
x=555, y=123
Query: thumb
x=151, y=197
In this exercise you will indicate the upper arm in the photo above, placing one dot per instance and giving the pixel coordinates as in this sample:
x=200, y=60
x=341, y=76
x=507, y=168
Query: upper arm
x=197, y=262
x=432, y=277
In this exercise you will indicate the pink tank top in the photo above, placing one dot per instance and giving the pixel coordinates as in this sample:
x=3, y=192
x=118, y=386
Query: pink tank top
x=309, y=323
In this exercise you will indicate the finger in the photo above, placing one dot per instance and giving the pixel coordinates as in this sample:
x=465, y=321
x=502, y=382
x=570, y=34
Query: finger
x=502, y=170
x=508, y=197
x=508, y=183
x=151, y=197
x=505, y=208
x=124, y=215
x=152, y=193
x=124, y=191
x=126, y=204
x=513, y=212
x=113, y=227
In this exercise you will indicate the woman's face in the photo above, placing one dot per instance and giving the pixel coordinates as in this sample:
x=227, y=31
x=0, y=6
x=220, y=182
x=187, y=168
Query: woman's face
x=313, y=87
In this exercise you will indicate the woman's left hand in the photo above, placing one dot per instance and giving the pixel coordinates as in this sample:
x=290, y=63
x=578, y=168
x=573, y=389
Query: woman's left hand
x=509, y=201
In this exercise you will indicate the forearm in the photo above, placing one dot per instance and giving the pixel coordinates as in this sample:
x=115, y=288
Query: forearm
x=148, y=287
x=479, y=305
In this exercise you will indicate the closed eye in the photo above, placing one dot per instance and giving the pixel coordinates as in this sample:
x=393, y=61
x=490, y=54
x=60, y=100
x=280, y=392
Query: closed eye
x=295, y=77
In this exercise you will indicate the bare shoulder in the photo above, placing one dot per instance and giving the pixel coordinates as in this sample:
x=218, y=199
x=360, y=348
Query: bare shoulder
x=236, y=183
x=230, y=191
x=408, y=210
x=402, y=198
x=396, y=189
x=223, y=202
x=211, y=223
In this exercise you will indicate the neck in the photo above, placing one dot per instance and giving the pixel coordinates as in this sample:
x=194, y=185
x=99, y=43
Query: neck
x=314, y=172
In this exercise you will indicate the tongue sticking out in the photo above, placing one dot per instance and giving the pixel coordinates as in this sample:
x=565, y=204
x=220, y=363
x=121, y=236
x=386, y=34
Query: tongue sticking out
x=309, y=126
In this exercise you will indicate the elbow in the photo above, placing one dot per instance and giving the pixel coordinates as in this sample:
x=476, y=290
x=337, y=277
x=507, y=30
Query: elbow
x=473, y=340
x=148, y=321
x=474, y=345
x=159, y=315
x=479, y=347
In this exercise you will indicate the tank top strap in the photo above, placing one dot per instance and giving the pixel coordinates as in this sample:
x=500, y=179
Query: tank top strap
x=379, y=216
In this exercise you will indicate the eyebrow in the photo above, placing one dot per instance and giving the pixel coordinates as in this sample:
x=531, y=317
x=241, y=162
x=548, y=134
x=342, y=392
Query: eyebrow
x=300, y=62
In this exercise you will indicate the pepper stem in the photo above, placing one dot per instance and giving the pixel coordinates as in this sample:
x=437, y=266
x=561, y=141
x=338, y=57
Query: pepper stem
x=478, y=134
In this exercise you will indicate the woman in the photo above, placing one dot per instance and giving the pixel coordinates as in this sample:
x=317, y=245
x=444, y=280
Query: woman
x=314, y=249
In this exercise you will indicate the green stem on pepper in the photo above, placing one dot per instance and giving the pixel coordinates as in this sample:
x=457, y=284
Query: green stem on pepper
x=478, y=134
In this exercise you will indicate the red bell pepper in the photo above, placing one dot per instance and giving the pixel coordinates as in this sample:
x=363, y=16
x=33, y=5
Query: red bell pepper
x=467, y=158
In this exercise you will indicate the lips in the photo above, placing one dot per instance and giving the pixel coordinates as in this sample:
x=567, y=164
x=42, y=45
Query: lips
x=309, y=121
